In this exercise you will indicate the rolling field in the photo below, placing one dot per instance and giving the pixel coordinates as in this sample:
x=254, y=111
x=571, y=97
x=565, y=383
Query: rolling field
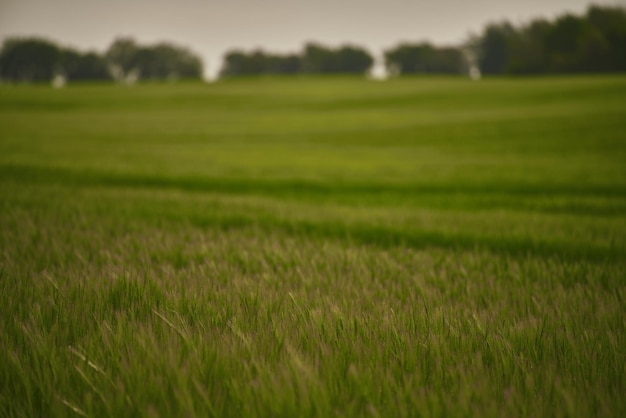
x=423, y=247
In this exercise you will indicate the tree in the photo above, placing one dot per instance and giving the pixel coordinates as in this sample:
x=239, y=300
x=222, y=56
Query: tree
x=234, y=63
x=566, y=44
x=259, y=62
x=528, y=51
x=121, y=57
x=495, y=48
x=284, y=64
x=167, y=61
x=318, y=59
x=590, y=43
x=609, y=24
x=29, y=60
x=351, y=59
x=239, y=63
x=88, y=66
x=157, y=62
x=346, y=59
x=424, y=58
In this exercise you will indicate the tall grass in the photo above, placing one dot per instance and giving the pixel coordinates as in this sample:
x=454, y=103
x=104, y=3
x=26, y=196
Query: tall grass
x=314, y=247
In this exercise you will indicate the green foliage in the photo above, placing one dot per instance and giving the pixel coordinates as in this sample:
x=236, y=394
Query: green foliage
x=315, y=59
x=425, y=58
x=346, y=59
x=121, y=56
x=495, y=53
x=258, y=62
x=314, y=247
x=162, y=61
x=29, y=60
x=82, y=67
x=570, y=44
x=38, y=60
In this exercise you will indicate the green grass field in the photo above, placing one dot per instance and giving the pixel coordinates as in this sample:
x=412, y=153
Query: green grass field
x=424, y=247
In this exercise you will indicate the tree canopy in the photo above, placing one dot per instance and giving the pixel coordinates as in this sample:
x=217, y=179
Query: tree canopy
x=29, y=60
x=238, y=62
x=314, y=59
x=424, y=58
x=40, y=60
x=593, y=42
x=153, y=62
x=83, y=66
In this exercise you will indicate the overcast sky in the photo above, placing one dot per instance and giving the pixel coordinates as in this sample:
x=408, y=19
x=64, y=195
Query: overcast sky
x=211, y=27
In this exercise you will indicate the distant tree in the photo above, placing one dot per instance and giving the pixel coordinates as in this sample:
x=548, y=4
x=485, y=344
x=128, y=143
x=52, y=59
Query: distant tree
x=240, y=63
x=566, y=42
x=259, y=62
x=315, y=59
x=347, y=59
x=594, y=42
x=234, y=63
x=83, y=66
x=402, y=59
x=351, y=59
x=318, y=59
x=184, y=63
x=609, y=41
x=29, y=60
x=450, y=60
x=121, y=57
x=34, y=59
x=284, y=64
x=528, y=52
x=156, y=62
x=425, y=58
x=495, y=48
x=167, y=61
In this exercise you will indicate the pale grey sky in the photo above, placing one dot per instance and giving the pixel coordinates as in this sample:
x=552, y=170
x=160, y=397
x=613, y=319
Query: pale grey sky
x=211, y=27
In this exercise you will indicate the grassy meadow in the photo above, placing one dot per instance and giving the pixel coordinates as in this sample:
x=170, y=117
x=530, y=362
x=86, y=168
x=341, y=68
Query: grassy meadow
x=295, y=247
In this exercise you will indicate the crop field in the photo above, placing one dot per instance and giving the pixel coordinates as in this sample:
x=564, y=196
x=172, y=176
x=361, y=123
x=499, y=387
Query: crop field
x=314, y=247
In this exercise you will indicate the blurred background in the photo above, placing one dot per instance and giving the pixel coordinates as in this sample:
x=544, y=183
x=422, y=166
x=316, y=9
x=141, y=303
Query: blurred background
x=129, y=40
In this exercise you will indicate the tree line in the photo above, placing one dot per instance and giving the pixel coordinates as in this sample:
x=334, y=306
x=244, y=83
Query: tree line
x=348, y=59
x=314, y=59
x=592, y=42
x=41, y=60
